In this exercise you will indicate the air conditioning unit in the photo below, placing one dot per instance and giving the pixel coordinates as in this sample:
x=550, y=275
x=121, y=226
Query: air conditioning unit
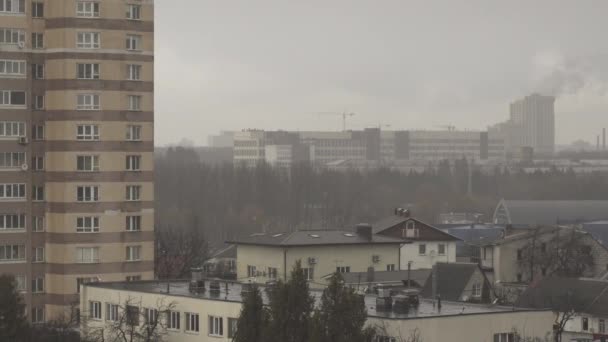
x=21, y=44
x=375, y=259
x=312, y=261
x=24, y=167
x=23, y=140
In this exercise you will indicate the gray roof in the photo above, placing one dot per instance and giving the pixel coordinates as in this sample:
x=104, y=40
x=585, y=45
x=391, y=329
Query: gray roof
x=588, y=296
x=551, y=212
x=388, y=222
x=599, y=230
x=226, y=253
x=387, y=277
x=313, y=238
x=231, y=292
x=452, y=280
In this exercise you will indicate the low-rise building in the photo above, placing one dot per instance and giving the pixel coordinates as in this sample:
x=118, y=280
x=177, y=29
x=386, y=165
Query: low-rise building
x=263, y=257
x=429, y=244
x=582, y=304
x=210, y=313
x=458, y=282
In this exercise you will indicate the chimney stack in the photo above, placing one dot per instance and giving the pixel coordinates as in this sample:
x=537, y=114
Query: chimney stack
x=365, y=231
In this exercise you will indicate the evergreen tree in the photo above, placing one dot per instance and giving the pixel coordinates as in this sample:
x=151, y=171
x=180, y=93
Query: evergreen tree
x=290, y=309
x=341, y=316
x=253, y=319
x=13, y=323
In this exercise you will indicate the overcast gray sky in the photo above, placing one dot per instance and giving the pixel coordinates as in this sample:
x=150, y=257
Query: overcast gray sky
x=229, y=65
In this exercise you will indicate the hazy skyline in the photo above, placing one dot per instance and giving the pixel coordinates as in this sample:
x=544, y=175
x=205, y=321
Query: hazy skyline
x=229, y=65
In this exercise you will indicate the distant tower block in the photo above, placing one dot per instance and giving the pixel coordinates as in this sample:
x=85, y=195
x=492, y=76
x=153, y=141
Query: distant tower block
x=604, y=139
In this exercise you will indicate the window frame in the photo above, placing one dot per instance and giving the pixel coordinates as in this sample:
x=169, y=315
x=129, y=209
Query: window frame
x=192, y=321
x=12, y=222
x=88, y=71
x=133, y=223
x=95, y=310
x=90, y=160
x=19, y=4
x=88, y=102
x=94, y=255
x=91, y=227
x=134, y=133
x=93, y=195
x=37, y=7
x=134, y=12
x=173, y=320
x=93, y=135
x=93, y=12
x=133, y=193
x=216, y=323
x=15, y=64
x=88, y=40
x=133, y=42
x=133, y=253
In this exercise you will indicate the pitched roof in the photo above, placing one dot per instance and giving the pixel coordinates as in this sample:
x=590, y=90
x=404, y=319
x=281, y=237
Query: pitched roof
x=228, y=252
x=451, y=278
x=313, y=238
x=385, y=277
x=549, y=212
x=588, y=296
x=434, y=233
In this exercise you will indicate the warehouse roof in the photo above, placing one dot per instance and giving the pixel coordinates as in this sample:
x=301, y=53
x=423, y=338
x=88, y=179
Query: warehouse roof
x=516, y=212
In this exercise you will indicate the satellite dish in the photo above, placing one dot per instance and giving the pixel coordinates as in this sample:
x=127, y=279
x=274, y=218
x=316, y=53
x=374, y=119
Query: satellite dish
x=24, y=167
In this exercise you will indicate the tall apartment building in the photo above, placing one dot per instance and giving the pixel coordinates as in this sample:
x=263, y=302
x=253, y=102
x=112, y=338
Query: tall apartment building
x=533, y=123
x=76, y=146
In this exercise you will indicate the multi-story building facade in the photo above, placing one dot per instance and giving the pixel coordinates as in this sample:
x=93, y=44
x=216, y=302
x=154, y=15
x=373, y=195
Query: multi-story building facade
x=533, y=119
x=76, y=146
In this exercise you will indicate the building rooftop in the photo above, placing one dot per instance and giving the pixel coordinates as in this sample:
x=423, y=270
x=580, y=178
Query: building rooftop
x=451, y=280
x=231, y=292
x=418, y=277
x=549, y=212
x=313, y=238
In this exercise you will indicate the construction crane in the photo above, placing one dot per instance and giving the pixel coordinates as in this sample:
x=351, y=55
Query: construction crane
x=344, y=115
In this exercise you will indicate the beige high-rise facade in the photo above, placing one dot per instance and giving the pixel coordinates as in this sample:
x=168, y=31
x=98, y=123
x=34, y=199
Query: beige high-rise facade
x=76, y=146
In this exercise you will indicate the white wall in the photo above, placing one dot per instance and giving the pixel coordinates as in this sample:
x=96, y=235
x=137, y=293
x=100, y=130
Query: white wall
x=410, y=252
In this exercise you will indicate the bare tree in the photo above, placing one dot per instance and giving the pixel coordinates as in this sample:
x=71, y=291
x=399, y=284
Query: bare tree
x=130, y=322
x=179, y=250
x=382, y=334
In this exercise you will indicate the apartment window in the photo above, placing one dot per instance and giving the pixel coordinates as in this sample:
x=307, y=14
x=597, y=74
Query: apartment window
x=38, y=254
x=132, y=315
x=37, y=223
x=150, y=316
x=12, y=68
x=133, y=223
x=476, y=290
x=390, y=267
x=251, y=271
x=20, y=283
x=38, y=132
x=87, y=224
x=12, y=221
x=87, y=9
x=12, y=36
x=133, y=192
x=174, y=321
x=216, y=326
x=343, y=269
x=12, y=160
x=441, y=249
x=38, y=285
x=111, y=312
x=39, y=102
x=422, y=249
x=87, y=163
x=504, y=337
x=12, y=98
x=134, y=12
x=87, y=102
x=37, y=193
x=133, y=132
x=384, y=339
x=10, y=129
x=87, y=71
x=87, y=132
x=87, y=255
x=37, y=10
x=585, y=323
x=12, y=191
x=133, y=163
x=86, y=280
x=309, y=273
x=272, y=273
x=95, y=309
x=133, y=253
x=135, y=102
x=602, y=326
x=133, y=42
x=133, y=72
x=38, y=315
x=88, y=40
x=233, y=324
x=12, y=6
x=192, y=321
x=9, y=253
x=133, y=278
x=37, y=163
x=37, y=40
x=87, y=193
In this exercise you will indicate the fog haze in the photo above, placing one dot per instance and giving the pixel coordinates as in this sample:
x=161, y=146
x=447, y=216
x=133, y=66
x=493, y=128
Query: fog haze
x=229, y=65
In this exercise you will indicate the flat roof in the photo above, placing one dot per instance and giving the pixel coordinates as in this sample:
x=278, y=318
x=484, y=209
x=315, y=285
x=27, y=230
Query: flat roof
x=231, y=292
